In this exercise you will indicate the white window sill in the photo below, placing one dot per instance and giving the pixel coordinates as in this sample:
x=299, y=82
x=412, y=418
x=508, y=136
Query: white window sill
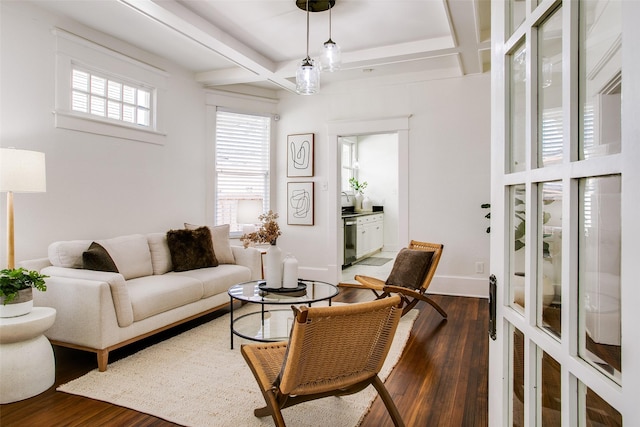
x=68, y=120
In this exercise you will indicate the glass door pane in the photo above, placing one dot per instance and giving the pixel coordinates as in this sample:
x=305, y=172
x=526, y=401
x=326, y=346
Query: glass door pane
x=517, y=243
x=517, y=12
x=550, y=257
x=517, y=108
x=550, y=404
x=599, y=273
x=600, y=78
x=517, y=377
x=595, y=411
x=550, y=130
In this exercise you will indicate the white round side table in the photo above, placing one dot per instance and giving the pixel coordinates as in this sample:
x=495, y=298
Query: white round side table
x=27, y=363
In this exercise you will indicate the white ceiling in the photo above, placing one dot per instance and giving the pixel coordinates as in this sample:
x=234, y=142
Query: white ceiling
x=260, y=42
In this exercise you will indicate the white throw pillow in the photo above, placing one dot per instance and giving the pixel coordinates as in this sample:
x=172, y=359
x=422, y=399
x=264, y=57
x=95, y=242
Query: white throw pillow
x=130, y=254
x=160, y=254
x=221, y=243
x=68, y=253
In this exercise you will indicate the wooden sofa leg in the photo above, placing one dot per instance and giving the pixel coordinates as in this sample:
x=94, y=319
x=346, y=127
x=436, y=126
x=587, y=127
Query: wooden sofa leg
x=103, y=360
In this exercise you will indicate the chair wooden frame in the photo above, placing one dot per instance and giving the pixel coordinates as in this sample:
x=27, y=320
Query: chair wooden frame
x=303, y=369
x=410, y=297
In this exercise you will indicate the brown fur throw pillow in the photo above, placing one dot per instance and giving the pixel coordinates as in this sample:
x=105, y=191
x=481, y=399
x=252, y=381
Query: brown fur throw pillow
x=191, y=249
x=410, y=268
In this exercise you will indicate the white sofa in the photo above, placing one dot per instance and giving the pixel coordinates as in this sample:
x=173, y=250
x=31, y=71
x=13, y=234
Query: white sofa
x=101, y=311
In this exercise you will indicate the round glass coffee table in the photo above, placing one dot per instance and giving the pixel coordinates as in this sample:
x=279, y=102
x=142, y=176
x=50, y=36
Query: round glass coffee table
x=271, y=321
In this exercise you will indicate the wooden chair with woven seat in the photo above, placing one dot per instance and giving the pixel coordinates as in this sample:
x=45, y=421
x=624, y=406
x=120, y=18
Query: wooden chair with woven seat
x=410, y=276
x=332, y=351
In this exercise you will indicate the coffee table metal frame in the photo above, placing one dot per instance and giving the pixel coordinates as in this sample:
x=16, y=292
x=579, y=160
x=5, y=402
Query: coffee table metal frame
x=249, y=292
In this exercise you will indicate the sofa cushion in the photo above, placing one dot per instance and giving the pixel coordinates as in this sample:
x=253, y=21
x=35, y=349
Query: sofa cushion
x=97, y=258
x=68, y=254
x=151, y=295
x=410, y=268
x=160, y=254
x=130, y=254
x=217, y=280
x=221, y=244
x=191, y=249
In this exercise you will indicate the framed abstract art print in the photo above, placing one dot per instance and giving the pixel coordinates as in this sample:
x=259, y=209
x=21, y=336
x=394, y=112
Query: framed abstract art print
x=300, y=203
x=300, y=155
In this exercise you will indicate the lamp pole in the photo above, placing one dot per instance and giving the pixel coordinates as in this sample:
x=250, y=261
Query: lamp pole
x=11, y=254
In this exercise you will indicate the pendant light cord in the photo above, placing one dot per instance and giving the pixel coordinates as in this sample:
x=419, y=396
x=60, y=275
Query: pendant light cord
x=307, y=29
x=330, y=21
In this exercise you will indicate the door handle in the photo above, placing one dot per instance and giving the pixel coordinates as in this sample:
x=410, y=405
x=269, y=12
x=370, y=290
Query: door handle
x=492, y=306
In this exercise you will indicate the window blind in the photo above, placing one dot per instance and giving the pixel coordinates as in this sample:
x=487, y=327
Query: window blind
x=242, y=163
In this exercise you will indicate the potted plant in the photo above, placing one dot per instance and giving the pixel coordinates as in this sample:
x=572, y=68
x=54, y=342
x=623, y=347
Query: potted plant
x=358, y=189
x=268, y=233
x=16, y=290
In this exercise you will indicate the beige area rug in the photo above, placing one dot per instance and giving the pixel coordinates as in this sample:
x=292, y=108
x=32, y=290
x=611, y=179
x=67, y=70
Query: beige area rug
x=195, y=379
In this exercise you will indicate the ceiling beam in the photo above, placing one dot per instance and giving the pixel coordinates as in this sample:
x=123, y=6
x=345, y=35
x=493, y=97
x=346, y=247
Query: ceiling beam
x=192, y=26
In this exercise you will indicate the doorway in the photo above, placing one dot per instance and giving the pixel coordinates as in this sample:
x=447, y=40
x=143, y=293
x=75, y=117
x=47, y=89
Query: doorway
x=373, y=159
x=392, y=126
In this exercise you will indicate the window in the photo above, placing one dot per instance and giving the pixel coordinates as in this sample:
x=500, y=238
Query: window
x=98, y=95
x=242, y=164
x=349, y=163
x=104, y=92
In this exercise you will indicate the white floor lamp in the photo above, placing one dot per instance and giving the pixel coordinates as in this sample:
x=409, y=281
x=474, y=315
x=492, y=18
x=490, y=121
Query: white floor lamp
x=21, y=171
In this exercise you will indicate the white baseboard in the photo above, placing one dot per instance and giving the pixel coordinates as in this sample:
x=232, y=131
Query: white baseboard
x=475, y=287
x=322, y=274
x=460, y=286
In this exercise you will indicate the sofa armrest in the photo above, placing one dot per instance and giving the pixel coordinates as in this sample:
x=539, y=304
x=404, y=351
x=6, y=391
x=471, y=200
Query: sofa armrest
x=117, y=285
x=35, y=264
x=85, y=314
x=249, y=257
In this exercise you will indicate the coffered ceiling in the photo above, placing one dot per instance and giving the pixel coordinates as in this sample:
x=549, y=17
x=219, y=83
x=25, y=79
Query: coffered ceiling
x=260, y=42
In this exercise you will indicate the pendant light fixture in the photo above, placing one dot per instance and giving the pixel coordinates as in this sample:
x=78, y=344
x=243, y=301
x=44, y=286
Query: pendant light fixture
x=308, y=74
x=330, y=59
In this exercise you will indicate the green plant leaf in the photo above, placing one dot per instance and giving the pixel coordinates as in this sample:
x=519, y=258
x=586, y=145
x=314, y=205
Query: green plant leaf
x=518, y=245
x=520, y=230
x=17, y=279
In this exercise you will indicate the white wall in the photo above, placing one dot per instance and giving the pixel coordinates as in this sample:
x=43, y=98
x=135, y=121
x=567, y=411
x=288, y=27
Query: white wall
x=378, y=158
x=449, y=141
x=97, y=186
x=101, y=187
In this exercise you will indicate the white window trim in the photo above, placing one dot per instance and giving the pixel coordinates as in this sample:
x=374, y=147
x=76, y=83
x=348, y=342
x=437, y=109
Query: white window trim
x=244, y=171
x=72, y=49
x=239, y=103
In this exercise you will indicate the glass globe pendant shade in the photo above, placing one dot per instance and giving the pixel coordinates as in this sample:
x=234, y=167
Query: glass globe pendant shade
x=307, y=77
x=330, y=59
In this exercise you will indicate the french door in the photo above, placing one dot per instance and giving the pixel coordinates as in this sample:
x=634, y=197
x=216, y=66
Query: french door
x=565, y=213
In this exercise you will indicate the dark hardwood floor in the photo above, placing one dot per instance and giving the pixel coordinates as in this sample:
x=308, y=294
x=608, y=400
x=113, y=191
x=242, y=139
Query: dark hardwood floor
x=440, y=380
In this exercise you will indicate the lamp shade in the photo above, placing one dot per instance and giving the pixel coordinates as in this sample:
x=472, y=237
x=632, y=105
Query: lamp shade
x=248, y=211
x=330, y=59
x=22, y=171
x=308, y=77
